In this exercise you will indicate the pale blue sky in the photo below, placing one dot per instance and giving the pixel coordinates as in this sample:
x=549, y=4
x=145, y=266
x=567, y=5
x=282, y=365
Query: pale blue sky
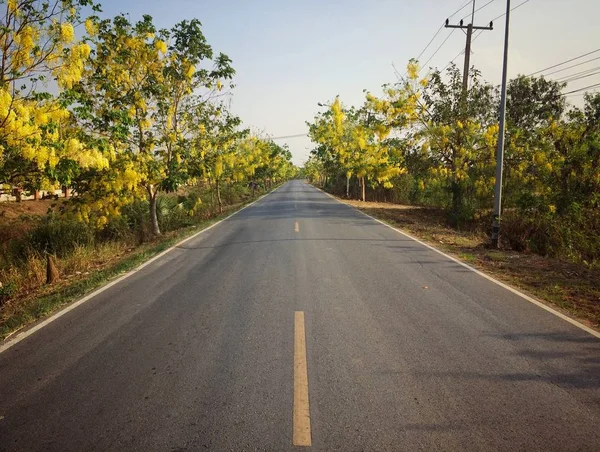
x=289, y=55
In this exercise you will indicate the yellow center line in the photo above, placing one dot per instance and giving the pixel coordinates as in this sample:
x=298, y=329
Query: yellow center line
x=302, y=436
x=297, y=227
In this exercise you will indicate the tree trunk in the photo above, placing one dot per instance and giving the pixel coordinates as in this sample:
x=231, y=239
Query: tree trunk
x=152, y=195
x=457, y=203
x=212, y=192
x=219, y=201
x=364, y=193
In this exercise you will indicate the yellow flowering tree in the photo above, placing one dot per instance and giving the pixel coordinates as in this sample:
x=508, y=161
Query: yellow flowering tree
x=271, y=162
x=213, y=145
x=448, y=142
x=356, y=142
x=38, y=145
x=137, y=98
x=458, y=140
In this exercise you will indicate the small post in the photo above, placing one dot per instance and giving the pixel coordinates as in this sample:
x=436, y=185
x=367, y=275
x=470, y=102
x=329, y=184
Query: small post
x=51, y=270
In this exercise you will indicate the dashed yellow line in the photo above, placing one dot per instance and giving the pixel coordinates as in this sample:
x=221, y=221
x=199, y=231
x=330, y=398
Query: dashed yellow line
x=301, y=423
x=297, y=227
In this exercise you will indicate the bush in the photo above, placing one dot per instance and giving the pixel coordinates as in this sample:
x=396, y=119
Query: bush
x=57, y=236
x=7, y=290
x=573, y=236
x=171, y=213
x=234, y=193
x=117, y=229
x=137, y=217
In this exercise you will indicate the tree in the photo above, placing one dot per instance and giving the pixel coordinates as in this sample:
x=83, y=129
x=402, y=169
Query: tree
x=214, y=145
x=457, y=138
x=356, y=144
x=38, y=143
x=533, y=105
x=137, y=96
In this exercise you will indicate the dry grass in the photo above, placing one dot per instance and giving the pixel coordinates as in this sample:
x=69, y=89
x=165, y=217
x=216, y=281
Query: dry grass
x=572, y=288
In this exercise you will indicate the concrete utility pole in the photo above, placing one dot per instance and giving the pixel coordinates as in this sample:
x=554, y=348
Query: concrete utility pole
x=500, y=150
x=470, y=27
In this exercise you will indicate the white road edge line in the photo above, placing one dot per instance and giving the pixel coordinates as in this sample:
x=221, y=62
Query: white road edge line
x=501, y=284
x=25, y=334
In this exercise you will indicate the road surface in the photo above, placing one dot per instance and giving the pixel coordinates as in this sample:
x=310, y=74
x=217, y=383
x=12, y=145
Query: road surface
x=301, y=321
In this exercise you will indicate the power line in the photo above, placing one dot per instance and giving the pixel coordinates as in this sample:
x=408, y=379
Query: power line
x=438, y=49
x=580, y=75
x=581, y=89
x=459, y=9
x=512, y=9
x=479, y=9
x=469, y=34
x=432, y=39
x=289, y=136
x=572, y=66
x=564, y=62
x=462, y=51
x=582, y=94
x=452, y=60
x=476, y=36
x=440, y=29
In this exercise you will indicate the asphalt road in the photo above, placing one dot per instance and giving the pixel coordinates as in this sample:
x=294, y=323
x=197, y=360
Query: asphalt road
x=405, y=349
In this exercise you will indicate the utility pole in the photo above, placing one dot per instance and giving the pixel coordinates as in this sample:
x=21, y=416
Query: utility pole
x=500, y=150
x=470, y=27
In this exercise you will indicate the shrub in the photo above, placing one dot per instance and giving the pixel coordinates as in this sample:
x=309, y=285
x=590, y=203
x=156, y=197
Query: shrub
x=57, y=236
x=7, y=290
x=171, y=213
x=137, y=216
x=234, y=193
x=117, y=229
x=573, y=235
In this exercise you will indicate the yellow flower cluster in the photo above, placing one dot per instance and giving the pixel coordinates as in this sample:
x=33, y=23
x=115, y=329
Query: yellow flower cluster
x=67, y=32
x=412, y=70
x=25, y=129
x=33, y=129
x=25, y=41
x=161, y=46
x=71, y=70
x=191, y=70
x=91, y=27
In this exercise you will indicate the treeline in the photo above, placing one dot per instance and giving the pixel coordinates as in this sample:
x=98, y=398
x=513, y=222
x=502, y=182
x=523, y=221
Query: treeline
x=423, y=142
x=119, y=111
